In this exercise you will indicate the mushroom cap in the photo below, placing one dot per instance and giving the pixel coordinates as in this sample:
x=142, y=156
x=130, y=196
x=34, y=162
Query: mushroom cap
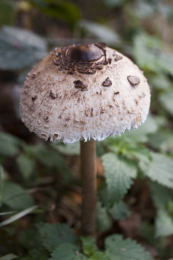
x=84, y=92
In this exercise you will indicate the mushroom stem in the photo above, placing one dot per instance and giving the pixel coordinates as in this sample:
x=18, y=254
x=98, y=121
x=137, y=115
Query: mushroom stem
x=88, y=174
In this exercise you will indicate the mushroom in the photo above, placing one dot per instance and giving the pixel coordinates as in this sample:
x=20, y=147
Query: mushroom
x=84, y=93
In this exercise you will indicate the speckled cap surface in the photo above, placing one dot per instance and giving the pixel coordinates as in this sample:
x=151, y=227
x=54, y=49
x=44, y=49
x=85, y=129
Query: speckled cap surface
x=84, y=92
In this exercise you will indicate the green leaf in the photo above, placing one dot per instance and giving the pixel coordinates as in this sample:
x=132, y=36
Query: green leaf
x=141, y=134
x=146, y=231
x=101, y=32
x=43, y=154
x=160, y=169
x=50, y=158
x=103, y=219
x=67, y=252
x=37, y=253
x=53, y=235
x=90, y=249
x=160, y=82
x=114, y=3
x=118, y=174
x=162, y=140
x=163, y=224
x=161, y=195
x=29, y=238
x=26, y=166
x=123, y=249
x=17, y=216
x=127, y=147
x=27, y=258
x=68, y=149
x=6, y=213
x=166, y=100
x=143, y=156
x=8, y=257
x=166, y=62
x=143, y=10
x=119, y=211
x=16, y=197
x=149, y=54
x=147, y=51
x=17, y=44
x=2, y=182
x=98, y=256
x=64, y=10
x=89, y=245
x=9, y=145
x=7, y=12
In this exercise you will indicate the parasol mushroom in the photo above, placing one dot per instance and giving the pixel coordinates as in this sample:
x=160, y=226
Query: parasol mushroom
x=84, y=93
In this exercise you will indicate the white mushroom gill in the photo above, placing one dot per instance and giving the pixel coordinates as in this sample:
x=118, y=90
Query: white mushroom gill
x=69, y=97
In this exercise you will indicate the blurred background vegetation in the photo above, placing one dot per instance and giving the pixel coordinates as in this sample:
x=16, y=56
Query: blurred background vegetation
x=40, y=193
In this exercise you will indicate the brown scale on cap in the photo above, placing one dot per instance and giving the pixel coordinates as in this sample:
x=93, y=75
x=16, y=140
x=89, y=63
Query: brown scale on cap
x=85, y=59
x=102, y=110
x=33, y=75
x=52, y=95
x=91, y=112
x=79, y=84
x=107, y=82
x=136, y=101
x=34, y=98
x=133, y=80
x=55, y=136
x=117, y=57
x=43, y=136
x=142, y=95
x=46, y=119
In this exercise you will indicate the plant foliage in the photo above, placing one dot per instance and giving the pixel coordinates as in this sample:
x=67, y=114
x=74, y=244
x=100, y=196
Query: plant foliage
x=40, y=187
